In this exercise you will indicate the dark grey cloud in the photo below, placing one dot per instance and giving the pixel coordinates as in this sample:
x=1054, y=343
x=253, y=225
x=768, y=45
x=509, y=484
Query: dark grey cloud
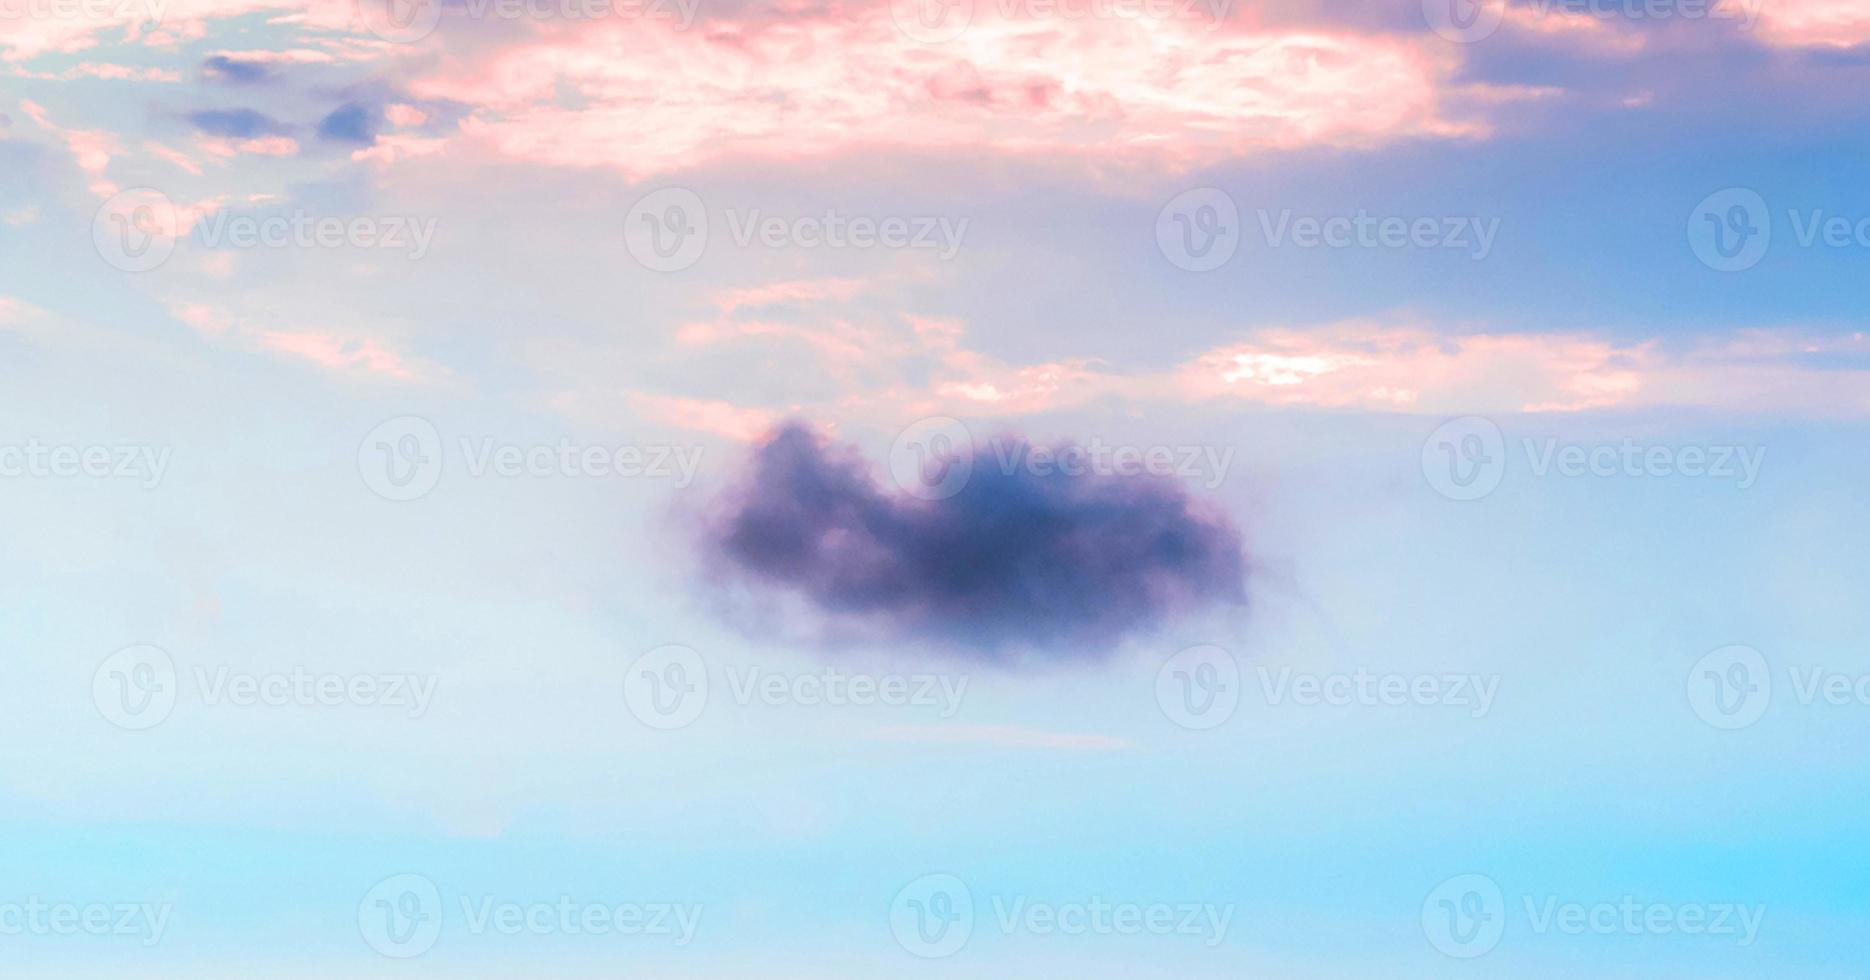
x=235, y=70
x=1013, y=562
x=237, y=123
x=353, y=123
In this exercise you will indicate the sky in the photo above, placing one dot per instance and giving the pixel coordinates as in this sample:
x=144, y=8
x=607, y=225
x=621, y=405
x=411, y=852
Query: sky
x=1127, y=488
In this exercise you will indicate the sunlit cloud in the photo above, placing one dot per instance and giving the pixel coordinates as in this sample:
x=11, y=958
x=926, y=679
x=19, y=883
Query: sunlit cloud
x=649, y=97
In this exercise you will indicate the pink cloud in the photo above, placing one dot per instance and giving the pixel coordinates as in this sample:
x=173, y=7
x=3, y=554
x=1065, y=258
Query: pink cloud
x=175, y=157
x=351, y=353
x=405, y=116
x=896, y=370
x=648, y=97
x=270, y=146
x=91, y=148
x=797, y=290
x=1417, y=369
x=105, y=72
x=391, y=148
x=714, y=417
x=1815, y=23
x=1605, y=32
x=339, y=353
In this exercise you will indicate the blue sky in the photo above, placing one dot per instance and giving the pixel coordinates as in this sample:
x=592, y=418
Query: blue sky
x=374, y=482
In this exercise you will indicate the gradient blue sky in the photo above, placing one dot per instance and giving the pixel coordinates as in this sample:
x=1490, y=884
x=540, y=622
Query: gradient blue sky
x=264, y=377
